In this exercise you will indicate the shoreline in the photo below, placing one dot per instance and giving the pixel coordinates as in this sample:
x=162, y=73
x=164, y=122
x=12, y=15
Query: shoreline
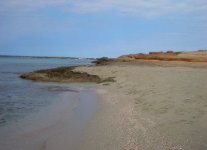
x=110, y=126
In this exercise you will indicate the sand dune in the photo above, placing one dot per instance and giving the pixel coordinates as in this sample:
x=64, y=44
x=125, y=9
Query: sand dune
x=195, y=56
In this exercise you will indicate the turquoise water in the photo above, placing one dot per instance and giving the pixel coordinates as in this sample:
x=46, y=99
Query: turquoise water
x=19, y=98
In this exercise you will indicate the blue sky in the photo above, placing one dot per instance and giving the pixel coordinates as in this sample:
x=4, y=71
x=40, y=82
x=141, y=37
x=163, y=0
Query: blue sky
x=96, y=28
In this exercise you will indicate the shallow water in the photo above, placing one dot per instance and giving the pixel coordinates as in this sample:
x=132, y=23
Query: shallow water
x=40, y=115
x=58, y=126
x=19, y=98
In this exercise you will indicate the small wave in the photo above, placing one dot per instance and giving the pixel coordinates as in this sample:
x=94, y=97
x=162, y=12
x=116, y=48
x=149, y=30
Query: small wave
x=60, y=89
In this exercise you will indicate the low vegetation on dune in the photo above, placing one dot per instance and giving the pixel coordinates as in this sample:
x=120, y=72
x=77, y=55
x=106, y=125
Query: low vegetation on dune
x=197, y=56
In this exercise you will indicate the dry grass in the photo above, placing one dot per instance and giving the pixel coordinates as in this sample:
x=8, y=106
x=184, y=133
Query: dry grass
x=198, y=56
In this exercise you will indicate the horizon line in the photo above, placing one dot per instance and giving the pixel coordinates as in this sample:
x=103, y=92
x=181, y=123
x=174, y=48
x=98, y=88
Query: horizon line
x=64, y=57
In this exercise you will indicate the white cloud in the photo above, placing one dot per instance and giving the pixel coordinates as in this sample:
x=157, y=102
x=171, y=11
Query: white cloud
x=136, y=7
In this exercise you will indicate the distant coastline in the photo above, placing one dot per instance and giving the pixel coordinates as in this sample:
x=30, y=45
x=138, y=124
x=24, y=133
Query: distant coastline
x=45, y=57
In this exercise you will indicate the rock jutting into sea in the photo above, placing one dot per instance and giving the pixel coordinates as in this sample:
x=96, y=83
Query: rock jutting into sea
x=64, y=74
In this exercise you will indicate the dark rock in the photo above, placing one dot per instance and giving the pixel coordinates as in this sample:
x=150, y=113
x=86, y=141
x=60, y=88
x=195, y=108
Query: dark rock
x=102, y=61
x=63, y=74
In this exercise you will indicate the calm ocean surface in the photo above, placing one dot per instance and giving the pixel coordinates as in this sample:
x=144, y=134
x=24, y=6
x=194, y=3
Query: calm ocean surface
x=19, y=98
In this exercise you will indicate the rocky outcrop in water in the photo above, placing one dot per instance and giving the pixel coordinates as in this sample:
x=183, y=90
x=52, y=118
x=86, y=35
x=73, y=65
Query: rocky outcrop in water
x=63, y=74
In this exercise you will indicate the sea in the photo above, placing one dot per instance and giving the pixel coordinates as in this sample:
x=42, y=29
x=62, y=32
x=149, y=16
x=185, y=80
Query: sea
x=20, y=98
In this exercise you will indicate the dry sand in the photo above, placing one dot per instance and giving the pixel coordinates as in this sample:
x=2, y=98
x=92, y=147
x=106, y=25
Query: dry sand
x=151, y=106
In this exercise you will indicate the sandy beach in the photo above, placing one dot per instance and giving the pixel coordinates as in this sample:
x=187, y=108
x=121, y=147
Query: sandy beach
x=103, y=75
x=135, y=105
x=151, y=106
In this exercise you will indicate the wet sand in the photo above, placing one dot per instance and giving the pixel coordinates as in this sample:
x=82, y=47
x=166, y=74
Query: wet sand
x=58, y=126
x=150, y=106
